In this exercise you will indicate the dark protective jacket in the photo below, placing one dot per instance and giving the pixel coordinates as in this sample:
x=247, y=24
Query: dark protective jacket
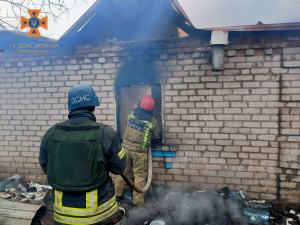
x=141, y=127
x=97, y=206
x=76, y=161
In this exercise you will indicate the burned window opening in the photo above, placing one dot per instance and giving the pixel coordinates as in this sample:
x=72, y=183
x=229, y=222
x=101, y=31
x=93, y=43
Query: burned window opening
x=128, y=97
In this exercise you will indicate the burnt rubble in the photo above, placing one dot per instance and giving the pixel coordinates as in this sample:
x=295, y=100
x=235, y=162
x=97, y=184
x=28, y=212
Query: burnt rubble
x=33, y=193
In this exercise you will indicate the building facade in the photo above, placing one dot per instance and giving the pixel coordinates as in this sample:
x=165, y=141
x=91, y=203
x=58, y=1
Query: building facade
x=237, y=127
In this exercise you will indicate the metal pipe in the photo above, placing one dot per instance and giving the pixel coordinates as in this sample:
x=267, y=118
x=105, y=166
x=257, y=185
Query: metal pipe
x=218, y=57
x=149, y=178
x=218, y=41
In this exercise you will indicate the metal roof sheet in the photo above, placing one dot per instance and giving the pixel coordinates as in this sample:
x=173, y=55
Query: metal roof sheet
x=259, y=27
x=178, y=6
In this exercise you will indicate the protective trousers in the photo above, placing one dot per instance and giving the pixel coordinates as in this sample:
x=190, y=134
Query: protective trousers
x=138, y=162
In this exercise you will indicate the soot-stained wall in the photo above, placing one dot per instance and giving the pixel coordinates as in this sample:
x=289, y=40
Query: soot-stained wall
x=238, y=127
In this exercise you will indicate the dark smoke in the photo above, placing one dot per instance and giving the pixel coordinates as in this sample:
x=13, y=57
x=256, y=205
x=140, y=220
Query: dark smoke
x=137, y=72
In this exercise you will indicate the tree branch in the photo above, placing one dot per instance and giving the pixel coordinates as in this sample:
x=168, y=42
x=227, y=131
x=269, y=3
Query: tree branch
x=54, y=9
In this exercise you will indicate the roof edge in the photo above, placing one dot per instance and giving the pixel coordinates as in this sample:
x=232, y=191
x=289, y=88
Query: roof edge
x=80, y=22
x=259, y=27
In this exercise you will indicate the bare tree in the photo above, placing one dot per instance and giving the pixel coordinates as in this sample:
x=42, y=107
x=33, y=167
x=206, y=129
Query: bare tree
x=54, y=9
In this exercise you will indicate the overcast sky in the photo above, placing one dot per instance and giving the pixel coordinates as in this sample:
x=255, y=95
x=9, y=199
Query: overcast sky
x=203, y=13
x=218, y=13
x=56, y=30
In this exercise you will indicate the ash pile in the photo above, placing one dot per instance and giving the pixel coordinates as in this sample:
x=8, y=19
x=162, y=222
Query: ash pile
x=210, y=207
x=12, y=189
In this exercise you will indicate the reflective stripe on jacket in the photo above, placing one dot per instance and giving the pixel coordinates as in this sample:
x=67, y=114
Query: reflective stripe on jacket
x=77, y=201
x=138, y=133
x=89, y=209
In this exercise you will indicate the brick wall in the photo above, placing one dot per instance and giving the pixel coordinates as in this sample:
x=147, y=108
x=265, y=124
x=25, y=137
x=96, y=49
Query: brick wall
x=239, y=127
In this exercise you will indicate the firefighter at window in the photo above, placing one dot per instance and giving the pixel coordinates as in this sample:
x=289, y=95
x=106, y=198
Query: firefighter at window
x=141, y=128
x=77, y=156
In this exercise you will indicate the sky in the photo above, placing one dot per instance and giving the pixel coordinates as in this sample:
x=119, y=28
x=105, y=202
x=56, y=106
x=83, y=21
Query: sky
x=203, y=13
x=220, y=13
x=56, y=30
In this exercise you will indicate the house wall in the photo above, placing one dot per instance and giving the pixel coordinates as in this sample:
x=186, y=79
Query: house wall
x=233, y=127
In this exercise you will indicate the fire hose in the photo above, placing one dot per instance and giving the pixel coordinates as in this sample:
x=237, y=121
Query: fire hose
x=149, y=178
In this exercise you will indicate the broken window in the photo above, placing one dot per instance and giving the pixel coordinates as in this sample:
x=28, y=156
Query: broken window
x=128, y=98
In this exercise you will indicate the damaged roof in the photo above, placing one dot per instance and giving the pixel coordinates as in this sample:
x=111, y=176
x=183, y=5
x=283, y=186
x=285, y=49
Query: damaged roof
x=129, y=20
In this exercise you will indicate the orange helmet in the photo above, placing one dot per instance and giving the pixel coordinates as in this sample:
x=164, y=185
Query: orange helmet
x=147, y=103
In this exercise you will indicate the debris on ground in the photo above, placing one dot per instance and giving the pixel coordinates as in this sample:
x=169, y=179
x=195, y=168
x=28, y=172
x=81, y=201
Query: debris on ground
x=33, y=193
x=5, y=195
x=212, y=207
x=35, y=199
x=174, y=206
x=10, y=183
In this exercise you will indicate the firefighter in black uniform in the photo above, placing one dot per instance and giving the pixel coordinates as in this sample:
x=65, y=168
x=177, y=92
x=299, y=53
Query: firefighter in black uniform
x=77, y=156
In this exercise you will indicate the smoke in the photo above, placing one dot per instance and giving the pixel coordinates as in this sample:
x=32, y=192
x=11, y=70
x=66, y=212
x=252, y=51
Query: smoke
x=137, y=72
x=181, y=208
